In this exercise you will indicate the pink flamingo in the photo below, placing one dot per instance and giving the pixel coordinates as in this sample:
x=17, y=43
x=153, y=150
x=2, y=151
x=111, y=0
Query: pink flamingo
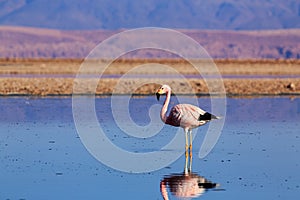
x=186, y=116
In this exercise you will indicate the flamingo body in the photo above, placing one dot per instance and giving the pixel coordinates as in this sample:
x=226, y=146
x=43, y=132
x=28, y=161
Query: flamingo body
x=186, y=116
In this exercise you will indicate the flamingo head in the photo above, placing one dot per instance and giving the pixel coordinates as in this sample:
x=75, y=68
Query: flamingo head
x=162, y=90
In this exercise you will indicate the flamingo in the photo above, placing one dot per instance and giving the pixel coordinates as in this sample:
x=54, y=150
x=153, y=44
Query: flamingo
x=186, y=116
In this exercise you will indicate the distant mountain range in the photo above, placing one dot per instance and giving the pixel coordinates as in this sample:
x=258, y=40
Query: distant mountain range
x=24, y=42
x=178, y=14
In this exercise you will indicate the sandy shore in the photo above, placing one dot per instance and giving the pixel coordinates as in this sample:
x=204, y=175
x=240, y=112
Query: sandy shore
x=60, y=86
x=13, y=85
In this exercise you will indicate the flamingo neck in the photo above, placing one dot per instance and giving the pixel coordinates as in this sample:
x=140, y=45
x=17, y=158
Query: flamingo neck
x=163, y=112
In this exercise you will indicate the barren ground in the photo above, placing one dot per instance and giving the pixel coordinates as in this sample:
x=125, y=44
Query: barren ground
x=148, y=74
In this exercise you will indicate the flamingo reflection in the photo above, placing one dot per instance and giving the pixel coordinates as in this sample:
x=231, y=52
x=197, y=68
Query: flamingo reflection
x=185, y=185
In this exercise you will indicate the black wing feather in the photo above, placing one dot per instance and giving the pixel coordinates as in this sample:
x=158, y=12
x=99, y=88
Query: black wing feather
x=206, y=116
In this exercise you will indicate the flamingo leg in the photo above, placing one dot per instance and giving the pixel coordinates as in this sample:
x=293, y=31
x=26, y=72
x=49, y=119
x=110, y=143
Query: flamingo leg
x=191, y=142
x=186, y=150
x=186, y=171
x=191, y=149
x=186, y=131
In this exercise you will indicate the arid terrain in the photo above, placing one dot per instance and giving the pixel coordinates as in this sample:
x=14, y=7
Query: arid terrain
x=25, y=42
x=240, y=77
x=40, y=61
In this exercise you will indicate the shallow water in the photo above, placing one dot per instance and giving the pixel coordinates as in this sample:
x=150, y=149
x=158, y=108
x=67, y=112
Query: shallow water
x=42, y=156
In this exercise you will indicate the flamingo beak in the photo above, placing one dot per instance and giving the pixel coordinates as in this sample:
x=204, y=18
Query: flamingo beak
x=158, y=93
x=157, y=96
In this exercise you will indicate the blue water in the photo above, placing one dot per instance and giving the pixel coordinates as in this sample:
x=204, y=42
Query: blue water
x=42, y=156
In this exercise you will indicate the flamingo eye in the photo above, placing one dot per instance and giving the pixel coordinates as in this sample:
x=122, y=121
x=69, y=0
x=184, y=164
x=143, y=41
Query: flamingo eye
x=162, y=88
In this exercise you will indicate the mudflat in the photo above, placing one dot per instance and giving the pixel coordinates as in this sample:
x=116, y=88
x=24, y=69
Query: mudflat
x=57, y=77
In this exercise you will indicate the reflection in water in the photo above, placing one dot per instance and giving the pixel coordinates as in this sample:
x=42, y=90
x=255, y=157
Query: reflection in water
x=185, y=185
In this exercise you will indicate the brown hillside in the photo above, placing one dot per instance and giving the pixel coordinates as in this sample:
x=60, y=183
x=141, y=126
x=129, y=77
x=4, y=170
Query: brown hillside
x=24, y=42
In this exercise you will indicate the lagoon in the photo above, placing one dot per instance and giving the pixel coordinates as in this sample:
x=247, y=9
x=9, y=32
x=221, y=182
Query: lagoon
x=42, y=155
